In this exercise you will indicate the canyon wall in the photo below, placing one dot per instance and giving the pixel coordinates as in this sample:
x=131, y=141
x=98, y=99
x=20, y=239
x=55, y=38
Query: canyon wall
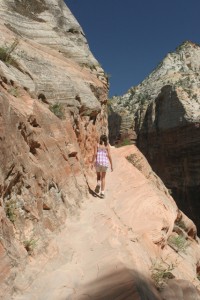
x=170, y=139
x=53, y=107
x=164, y=115
x=53, y=96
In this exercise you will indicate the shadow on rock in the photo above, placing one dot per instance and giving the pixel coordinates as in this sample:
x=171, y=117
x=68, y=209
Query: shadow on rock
x=121, y=285
x=131, y=285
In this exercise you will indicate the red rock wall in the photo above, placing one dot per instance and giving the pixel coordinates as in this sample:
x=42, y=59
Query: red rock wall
x=43, y=178
x=44, y=160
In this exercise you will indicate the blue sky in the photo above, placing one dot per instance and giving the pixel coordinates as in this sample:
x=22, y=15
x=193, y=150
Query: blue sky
x=129, y=38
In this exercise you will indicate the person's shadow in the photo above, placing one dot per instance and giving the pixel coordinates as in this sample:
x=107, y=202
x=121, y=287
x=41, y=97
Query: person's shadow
x=92, y=192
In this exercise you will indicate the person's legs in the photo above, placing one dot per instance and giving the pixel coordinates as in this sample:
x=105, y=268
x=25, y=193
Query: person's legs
x=98, y=177
x=103, y=177
x=97, y=188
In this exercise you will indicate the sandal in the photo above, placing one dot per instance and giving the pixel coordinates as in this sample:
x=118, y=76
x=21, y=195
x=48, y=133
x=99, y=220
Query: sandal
x=102, y=195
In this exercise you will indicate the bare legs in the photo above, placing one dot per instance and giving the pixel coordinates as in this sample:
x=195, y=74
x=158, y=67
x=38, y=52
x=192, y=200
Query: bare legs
x=97, y=188
x=101, y=177
x=98, y=176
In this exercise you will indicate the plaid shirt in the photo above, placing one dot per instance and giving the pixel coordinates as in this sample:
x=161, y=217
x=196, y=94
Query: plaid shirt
x=102, y=157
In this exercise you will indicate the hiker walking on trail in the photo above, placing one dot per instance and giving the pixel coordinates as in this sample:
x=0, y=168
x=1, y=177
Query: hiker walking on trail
x=101, y=160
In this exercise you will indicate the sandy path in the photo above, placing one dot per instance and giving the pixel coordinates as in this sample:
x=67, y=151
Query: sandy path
x=94, y=252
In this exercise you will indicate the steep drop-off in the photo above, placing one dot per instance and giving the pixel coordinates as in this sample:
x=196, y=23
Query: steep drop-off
x=164, y=113
x=134, y=244
x=56, y=241
x=170, y=139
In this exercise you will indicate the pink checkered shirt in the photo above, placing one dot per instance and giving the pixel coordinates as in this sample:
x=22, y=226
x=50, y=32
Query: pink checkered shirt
x=102, y=157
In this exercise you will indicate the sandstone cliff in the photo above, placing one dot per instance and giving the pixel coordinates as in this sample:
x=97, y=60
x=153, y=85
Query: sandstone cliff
x=134, y=244
x=53, y=95
x=164, y=112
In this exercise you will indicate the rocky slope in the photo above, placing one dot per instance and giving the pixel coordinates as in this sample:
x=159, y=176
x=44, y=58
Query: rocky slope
x=134, y=244
x=164, y=112
x=53, y=96
x=178, y=69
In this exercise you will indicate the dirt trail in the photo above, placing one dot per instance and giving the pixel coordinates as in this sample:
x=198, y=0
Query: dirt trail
x=97, y=255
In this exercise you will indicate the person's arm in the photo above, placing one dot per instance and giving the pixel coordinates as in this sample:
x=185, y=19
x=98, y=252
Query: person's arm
x=110, y=158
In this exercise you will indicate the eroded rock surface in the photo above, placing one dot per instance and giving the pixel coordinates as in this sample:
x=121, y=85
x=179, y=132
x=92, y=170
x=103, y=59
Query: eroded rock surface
x=165, y=114
x=108, y=249
x=120, y=247
x=53, y=96
x=170, y=139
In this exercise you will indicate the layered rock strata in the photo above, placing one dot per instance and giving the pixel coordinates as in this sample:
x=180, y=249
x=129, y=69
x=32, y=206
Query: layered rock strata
x=165, y=113
x=178, y=68
x=53, y=97
x=170, y=139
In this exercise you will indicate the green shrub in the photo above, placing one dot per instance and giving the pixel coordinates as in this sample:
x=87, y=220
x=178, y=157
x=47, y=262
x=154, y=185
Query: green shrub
x=30, y=245
x=125, y=142
x=5, y=53
x=58, y=110
x=13, y=91
x=160, y=272
x=178, y=243
x=10, y=209
x=143, y=98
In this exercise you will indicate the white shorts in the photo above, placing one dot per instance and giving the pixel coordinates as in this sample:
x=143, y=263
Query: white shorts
x=100, y=168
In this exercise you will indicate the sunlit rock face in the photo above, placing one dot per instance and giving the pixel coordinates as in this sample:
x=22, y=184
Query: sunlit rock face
x=53, y=96
x=136, y=244
x=170, y=139
x=165, y=114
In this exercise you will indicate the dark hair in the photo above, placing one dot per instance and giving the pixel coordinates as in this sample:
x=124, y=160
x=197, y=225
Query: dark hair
x=103, y=140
